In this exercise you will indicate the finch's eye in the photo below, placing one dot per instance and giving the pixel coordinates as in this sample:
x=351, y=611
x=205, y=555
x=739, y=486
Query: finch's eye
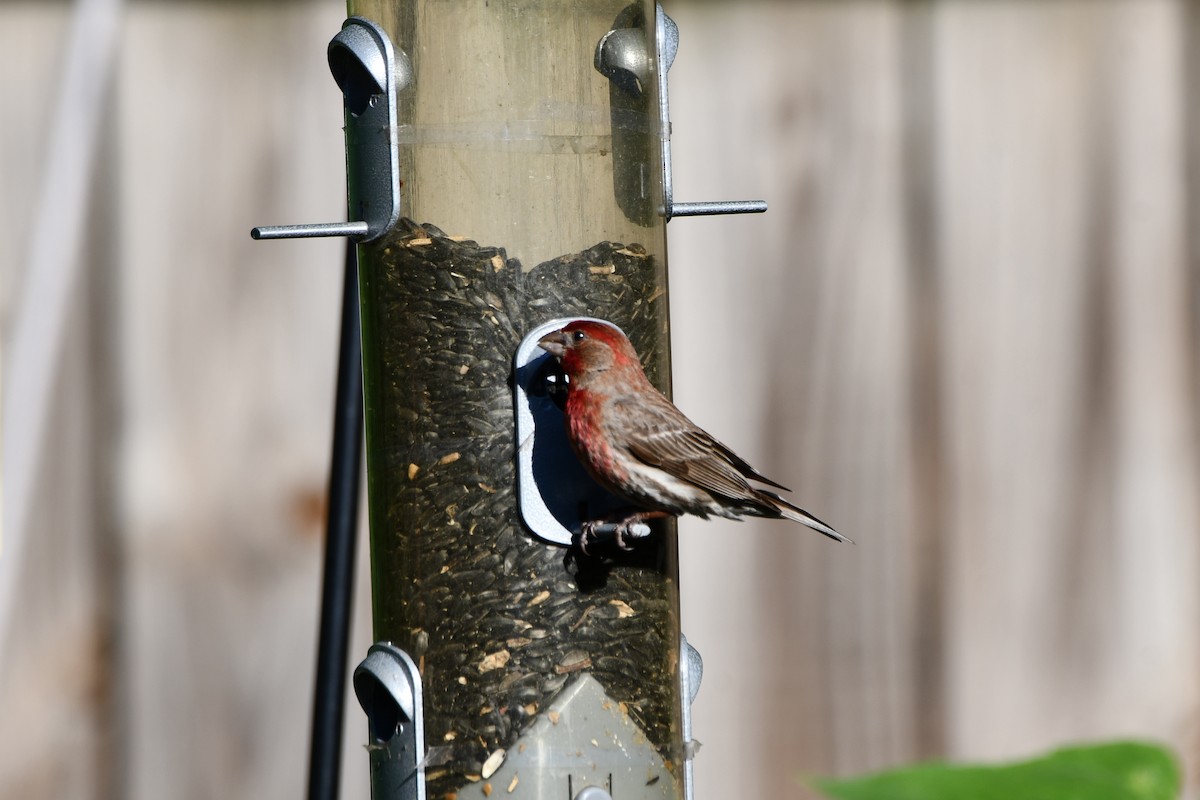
x=579, y=336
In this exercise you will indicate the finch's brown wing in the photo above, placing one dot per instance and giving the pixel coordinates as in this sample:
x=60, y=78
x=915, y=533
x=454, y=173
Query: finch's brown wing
x=741, y=466
x=663, y=437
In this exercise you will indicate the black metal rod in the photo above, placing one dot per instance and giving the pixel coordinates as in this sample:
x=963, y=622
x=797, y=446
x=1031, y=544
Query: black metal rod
x=337, y=590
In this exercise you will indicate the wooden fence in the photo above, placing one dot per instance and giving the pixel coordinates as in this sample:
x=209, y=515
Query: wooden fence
x=966, y=333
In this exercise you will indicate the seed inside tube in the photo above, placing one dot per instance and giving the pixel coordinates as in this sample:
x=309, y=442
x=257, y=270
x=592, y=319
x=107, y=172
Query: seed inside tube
x=573, y=662
x=493, y=763
x=494, y=660
x=448, y=318
x=623, y=609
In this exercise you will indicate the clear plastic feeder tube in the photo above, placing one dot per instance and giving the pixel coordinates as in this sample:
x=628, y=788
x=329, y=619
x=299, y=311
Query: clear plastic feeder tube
x=531, y=190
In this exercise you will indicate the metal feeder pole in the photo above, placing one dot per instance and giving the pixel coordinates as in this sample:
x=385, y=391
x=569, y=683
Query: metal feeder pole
x=341, y=533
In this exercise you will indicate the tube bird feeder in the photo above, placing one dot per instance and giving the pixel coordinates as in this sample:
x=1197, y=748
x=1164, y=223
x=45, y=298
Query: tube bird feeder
x=509, y=169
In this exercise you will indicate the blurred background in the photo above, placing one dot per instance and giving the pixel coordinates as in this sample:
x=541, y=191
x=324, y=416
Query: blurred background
x=966, y=333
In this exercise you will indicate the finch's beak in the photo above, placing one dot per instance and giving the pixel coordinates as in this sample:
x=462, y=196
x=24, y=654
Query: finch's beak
x=555, y=343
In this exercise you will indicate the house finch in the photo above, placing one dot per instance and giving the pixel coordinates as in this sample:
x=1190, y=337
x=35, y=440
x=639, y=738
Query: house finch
x=636, y=444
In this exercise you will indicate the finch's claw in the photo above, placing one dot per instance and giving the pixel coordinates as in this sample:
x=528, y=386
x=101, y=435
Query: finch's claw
x=587, y=536
x=624, y=532
x=634, y=527
x=619, y=538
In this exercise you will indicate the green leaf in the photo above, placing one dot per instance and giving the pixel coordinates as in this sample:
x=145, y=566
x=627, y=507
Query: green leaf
x=1115, y=771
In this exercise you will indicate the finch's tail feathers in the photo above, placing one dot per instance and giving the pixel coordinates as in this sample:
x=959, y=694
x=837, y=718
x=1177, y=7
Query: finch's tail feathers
x=796, y=514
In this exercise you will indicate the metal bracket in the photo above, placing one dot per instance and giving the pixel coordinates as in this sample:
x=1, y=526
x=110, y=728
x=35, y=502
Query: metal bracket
x=622, y=57
x=690, y=672
x=371, y=73
x=388, y=686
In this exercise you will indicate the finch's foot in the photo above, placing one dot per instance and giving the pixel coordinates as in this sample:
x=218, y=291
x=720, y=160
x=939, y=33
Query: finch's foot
x=622, y=530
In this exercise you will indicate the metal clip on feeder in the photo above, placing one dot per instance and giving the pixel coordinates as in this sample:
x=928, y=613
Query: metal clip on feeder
x=621, y=56
x=371, y=73
x=388, y=686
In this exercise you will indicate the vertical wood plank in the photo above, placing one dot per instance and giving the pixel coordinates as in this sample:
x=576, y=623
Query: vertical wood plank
x=1015, y=102
x=57, y=667
x=229, y=119
x=791, y=344
x=1072, y=578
